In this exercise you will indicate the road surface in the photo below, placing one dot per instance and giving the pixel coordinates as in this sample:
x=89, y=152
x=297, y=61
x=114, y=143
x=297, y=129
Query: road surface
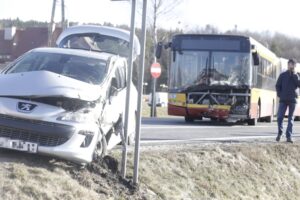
x=176, y=130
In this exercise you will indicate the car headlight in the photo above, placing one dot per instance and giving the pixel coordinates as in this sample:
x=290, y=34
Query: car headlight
x=76, y=117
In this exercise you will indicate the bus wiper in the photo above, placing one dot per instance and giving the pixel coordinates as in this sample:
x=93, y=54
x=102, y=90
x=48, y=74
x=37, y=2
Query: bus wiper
x=207, y=72
x=195, y=86
x=213, y=68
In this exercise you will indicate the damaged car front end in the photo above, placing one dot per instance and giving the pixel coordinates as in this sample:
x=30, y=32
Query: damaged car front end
x=52, y=102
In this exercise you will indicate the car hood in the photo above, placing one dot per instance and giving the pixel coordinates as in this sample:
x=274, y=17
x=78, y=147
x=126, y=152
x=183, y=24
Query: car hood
x=46, y=84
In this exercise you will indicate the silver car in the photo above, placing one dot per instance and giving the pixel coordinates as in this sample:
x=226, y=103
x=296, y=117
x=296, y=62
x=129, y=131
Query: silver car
x=64, y=102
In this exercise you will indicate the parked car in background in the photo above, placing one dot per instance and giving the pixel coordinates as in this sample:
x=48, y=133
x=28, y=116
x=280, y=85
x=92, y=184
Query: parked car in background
x=161, y=99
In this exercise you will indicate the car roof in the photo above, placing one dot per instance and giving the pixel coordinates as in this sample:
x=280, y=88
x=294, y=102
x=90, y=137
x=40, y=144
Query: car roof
x=76, y=52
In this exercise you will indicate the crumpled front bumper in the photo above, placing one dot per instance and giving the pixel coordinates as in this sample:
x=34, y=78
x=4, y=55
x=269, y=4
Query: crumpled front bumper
x=71, y=141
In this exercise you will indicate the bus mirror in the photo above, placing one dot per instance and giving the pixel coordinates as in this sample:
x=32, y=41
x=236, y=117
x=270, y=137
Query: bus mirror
x=255, y=58
x=168, y=45
x=158, y=50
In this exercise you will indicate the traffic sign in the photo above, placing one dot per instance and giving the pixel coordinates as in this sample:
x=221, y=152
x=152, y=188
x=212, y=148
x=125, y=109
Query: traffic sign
x=155, y=70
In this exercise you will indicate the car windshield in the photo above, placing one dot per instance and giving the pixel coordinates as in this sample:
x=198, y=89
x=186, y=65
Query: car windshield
x=87, y=69
x=97, y=42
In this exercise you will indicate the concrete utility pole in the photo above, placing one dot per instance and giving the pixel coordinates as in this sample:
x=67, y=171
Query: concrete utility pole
x=50, y=29
x=51, y=25
x=63, y=20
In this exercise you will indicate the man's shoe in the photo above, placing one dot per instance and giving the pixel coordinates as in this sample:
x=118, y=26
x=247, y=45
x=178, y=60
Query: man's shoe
x=289, y=140
x=278, y=138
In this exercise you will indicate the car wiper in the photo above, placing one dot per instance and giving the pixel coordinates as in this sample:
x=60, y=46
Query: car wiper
x=101, y=51
x=90, y=49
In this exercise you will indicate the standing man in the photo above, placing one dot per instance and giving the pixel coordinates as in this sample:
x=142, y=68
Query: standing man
x=287, y=90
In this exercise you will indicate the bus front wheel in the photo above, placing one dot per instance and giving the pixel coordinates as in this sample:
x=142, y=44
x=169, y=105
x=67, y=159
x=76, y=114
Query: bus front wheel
x=189, y=119
x=252, y=122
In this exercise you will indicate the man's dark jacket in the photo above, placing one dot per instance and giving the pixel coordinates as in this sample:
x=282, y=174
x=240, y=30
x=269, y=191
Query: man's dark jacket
x=287, y=87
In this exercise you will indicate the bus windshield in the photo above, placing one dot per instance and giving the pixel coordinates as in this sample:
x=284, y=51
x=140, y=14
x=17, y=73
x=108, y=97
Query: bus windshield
x=230, y=68
x=208, y=68
x=187, y=67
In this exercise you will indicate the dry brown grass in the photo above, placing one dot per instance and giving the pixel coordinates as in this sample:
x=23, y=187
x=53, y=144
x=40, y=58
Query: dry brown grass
x=161, y=111
x=19, y=181
x=245, y=171
x=207, y=171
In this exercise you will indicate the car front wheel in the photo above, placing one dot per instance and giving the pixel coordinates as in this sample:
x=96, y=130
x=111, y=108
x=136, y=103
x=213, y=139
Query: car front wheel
x=100, y=149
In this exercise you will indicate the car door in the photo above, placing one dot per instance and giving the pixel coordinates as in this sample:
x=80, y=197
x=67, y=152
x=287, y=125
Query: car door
x=116, y=96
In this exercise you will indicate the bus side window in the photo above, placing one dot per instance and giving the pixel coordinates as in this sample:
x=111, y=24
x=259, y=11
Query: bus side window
x=255, y=74
x=256, y=59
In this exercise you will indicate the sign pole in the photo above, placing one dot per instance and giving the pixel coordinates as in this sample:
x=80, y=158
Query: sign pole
x=153, y=98
x=155, y=72
x=129, y=80
x=140, y=94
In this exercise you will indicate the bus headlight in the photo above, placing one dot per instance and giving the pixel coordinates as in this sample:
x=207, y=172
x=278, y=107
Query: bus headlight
x=240, y=109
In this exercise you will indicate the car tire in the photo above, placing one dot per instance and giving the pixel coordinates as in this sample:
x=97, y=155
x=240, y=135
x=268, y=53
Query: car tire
x=100, y=148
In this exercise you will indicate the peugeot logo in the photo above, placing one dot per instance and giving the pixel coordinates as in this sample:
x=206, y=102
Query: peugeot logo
x=26, y=107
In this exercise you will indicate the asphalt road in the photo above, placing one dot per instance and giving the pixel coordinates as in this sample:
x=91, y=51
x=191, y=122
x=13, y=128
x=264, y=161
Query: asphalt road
x=176, y=130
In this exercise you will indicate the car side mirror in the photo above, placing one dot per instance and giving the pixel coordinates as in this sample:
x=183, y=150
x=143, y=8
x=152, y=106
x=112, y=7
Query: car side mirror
x=113, y=87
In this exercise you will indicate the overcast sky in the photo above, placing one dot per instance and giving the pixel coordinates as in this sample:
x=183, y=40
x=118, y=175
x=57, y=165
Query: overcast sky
x=254, y=15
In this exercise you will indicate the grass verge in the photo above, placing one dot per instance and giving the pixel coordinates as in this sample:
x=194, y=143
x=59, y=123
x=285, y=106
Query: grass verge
x=207, y=171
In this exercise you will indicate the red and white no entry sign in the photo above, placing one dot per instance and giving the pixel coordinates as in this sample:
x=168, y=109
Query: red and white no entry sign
x=155, y=70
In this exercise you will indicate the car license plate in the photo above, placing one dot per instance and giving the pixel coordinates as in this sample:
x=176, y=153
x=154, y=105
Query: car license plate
x=18, y=145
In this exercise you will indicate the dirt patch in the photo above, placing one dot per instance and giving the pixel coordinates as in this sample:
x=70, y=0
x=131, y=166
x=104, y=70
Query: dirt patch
x=25, y=176
x=106, y=169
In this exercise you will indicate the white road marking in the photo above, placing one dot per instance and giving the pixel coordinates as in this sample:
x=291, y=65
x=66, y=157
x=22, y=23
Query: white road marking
x=205, y=127
x=213, y=139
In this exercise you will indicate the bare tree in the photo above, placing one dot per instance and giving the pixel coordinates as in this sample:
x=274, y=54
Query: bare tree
x=158, y=10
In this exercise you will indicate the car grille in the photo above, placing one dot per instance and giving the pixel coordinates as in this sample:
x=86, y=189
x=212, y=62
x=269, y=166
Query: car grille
x=32, y=121
x=30, y=136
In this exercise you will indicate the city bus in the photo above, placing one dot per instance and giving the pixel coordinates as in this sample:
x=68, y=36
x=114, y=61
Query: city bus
x=221, y=77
